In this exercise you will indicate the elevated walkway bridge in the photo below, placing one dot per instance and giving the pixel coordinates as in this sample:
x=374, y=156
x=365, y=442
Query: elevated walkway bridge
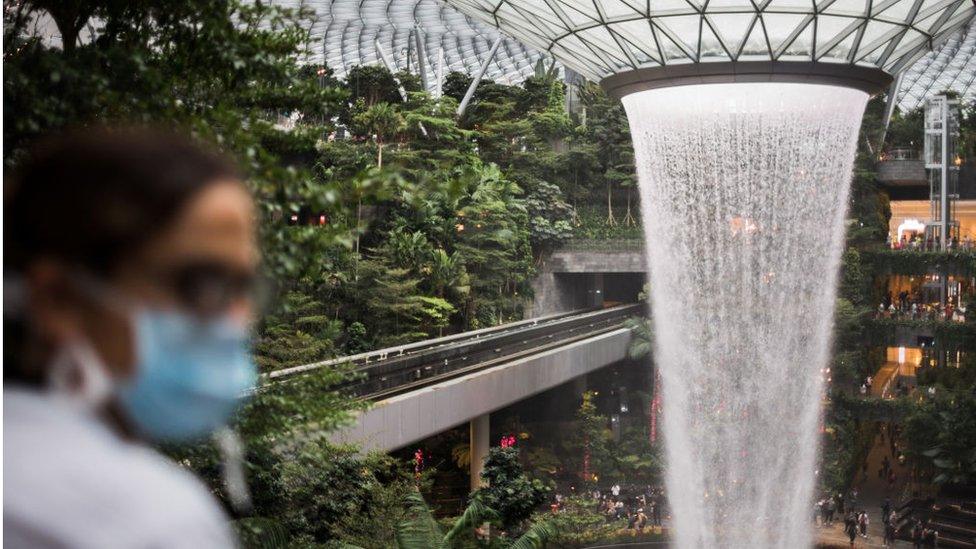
x=428, y=387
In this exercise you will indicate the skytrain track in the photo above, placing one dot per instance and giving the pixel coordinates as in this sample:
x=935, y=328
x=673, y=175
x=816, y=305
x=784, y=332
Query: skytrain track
x=389, y=372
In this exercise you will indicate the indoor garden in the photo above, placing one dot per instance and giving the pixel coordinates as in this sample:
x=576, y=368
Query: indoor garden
x=795, y=353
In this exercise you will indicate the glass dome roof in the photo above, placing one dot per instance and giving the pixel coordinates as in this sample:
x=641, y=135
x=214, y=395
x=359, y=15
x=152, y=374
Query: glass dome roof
x=949, y=67
x=345, y=33
x=599, y=38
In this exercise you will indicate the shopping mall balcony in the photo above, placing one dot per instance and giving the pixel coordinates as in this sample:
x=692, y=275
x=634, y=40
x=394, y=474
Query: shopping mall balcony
x=902, y=171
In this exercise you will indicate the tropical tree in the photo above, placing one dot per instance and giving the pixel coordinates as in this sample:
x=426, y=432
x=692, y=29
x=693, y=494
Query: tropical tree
x=507, y=490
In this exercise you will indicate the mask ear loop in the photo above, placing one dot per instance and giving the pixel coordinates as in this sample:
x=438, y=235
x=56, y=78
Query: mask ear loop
x=80, y=374
x=232, y=458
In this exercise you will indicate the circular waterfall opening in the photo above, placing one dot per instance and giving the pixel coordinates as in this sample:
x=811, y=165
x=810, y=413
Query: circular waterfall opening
x=744, y=192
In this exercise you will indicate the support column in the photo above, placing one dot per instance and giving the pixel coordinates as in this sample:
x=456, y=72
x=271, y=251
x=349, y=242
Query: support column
x=421, y=59
x=439, y=87
x=480, y=442
x=477, y=77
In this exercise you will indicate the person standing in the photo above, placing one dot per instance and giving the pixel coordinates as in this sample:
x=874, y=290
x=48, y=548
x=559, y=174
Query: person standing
x=889, y=534
x=850, y=527
x=658, y=505
x=917, y=534
x=129, y=273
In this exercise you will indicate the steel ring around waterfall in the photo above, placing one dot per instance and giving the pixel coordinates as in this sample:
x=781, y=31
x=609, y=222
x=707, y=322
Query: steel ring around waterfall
x=867, y=79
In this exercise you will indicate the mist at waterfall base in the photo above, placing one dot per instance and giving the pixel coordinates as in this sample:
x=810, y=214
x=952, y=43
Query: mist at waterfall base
x=744, y=191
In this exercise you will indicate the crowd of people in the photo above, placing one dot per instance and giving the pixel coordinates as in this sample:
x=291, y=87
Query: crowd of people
x=856, y=519
x=916, y=242
x=910, y=307
x=641, y=507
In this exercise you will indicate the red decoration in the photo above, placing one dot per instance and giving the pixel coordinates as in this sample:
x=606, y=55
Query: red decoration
x=418, y=462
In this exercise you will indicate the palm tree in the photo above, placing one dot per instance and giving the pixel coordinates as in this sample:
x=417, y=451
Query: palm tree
x=383, y=122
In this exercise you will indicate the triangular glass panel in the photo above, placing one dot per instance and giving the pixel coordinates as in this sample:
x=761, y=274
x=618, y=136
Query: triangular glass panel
x=545, y=12
x=735, y=6
x=847, y=7
x=755, y=47
x=875, y=34
x=614, y=9
x=511, y=15
x=639, y=6
x=672, y=51
x=869, y=53
x=781, y=27
x=801, y=47
x=732, y=28
x=789, y=6
x=601, y=39
x=585, y=7
x=613, y=58
x=668, y=7
x=599, y=36
x=960, y=14
x=578, y=18
x=832, y=29
x=579, y=50
x=911, y=40
x=840, y=52
x=639, y=34
x=640, y=53
x=926, y=10
x=897, y=12
x=684, y=29
x=710, y=47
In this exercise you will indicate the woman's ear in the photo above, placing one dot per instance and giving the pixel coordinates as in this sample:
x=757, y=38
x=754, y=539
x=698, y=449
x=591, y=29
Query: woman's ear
x=52, y=304
x=61, y=314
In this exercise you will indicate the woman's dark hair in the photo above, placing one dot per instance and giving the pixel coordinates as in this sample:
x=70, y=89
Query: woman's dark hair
x=92, y=198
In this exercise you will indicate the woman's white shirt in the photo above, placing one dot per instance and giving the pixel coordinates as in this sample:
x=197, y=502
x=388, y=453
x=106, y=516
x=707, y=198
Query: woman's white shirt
x=70, y=481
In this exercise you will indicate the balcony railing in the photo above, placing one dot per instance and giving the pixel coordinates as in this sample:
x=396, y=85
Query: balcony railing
x=900, y=153
x=931, y=245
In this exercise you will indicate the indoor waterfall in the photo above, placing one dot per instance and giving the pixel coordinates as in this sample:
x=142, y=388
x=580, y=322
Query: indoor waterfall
x=744, y=192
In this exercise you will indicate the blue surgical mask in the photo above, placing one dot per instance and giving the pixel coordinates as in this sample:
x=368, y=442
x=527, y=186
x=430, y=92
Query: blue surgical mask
x=190, y=375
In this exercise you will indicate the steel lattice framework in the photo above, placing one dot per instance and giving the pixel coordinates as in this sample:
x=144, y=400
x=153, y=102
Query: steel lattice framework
x=950, y=67
x=600, y=38
x=345, y=34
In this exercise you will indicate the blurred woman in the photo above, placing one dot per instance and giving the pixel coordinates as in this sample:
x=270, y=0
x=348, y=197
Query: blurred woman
x=130, y=260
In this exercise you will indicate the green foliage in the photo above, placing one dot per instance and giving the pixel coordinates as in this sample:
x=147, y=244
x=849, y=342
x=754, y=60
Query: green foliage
x=309, y=482
x=475, y=515
x=941, y=436
x=960, y=377
x=855, y=281
x=300, y=333
x=417, y=529
x=592, y=224
x=869, y=209
x=907, y=129
x=509, y=492
x=549, y=216
x=917, y=262
x=949, y=335
x=580, y=523
x=641, y=341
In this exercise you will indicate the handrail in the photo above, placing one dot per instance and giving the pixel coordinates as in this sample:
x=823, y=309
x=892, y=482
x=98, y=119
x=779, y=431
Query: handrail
x=430, y=344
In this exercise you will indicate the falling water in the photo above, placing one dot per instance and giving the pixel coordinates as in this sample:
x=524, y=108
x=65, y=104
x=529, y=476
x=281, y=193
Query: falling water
x=744, y=190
